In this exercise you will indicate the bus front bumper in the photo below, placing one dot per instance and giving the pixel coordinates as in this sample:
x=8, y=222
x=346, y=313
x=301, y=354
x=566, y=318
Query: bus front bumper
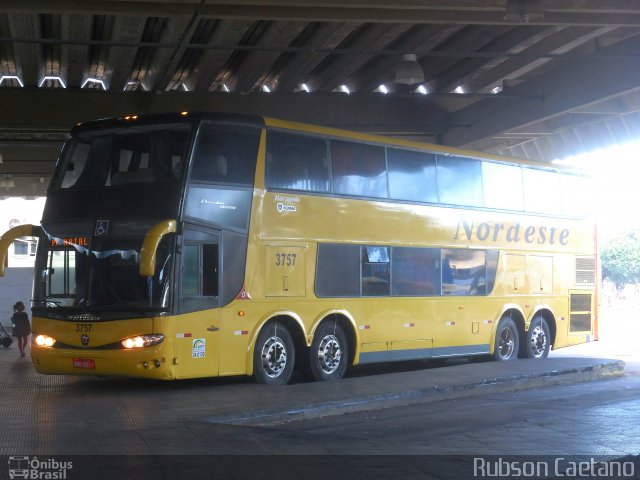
x=151, y=362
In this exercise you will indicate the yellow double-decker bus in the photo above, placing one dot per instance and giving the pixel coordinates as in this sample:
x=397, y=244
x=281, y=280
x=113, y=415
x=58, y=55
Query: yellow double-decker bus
x=196, y=245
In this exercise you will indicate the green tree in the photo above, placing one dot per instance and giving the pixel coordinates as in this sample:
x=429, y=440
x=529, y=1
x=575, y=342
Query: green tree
x=621, y=259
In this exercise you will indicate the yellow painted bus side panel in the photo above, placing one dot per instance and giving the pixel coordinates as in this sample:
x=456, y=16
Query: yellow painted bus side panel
x=323, y=219
x=514, y=274
x=285, y=271
x=540, y=273
x=197, y=343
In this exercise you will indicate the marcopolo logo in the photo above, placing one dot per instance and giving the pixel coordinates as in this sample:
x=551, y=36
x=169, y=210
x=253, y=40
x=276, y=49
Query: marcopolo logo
x=38, y=469
x=286, y=208
x=284, y=203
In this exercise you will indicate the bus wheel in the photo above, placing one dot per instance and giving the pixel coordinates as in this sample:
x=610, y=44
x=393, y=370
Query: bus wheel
x=328, y=355
x=538, y=338
x=507, y=340
x=273, y=355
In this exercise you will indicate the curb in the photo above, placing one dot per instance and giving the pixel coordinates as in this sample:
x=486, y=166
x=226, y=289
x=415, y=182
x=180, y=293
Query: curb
x=498, y=384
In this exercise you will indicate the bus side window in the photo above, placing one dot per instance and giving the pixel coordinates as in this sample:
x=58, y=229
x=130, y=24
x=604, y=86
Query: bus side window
x=199, y=287
x=338, y=270
x=464, y=272
x=375, y=271
x=415, y=271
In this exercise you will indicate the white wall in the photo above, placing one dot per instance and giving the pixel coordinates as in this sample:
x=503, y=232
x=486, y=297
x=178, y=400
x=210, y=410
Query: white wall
x=16, y=285
x=20, y=211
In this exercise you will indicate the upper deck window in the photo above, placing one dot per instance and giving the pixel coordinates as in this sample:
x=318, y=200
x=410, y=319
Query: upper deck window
x=358, y=169
x=412, y=175
x=302, y=162
x=577, y=195
x=459, y=181
x=126, y=156
x=296, y=162
x=502, y=186
x=542, y=191
x=225, y=155
x=219, y=190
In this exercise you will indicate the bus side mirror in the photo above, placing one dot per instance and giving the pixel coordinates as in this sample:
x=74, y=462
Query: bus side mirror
x=150, y=246
x=8, y=238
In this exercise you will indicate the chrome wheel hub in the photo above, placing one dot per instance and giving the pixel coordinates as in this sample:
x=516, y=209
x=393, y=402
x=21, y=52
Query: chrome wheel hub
x=538, y=342
x=274, y=357
x=506, y=343
x=329, y=354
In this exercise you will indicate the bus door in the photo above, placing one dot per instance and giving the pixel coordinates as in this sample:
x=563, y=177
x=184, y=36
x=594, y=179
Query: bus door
x=197, y=330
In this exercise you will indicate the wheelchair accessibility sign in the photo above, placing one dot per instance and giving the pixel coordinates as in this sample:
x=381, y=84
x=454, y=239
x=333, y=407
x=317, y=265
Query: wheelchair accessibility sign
x=102, y=228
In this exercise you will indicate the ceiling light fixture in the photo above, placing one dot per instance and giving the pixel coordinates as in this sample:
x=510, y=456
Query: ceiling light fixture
x=422, y=90
x=266, y=89
x=523, y=11
x=11, y=77
x=94, y=82
x=382, y=89
x=459, y=90
x=52, y=78
x=409, y=71
x=133, y=85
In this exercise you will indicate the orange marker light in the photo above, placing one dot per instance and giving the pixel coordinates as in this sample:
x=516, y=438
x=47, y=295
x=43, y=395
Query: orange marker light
x=241, y=313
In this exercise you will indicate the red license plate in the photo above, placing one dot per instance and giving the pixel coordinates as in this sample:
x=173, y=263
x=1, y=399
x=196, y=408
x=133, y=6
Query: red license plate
x=84, y=363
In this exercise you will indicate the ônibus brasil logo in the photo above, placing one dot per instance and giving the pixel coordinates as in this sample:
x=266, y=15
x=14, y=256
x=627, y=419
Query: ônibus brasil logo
x=38, y=469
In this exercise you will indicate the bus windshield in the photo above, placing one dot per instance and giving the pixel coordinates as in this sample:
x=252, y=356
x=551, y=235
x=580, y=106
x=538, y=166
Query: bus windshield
x=123, y=156
x=70, y=274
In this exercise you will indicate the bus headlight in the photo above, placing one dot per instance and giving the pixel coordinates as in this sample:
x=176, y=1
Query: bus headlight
x=44, y=341
x=142, y=341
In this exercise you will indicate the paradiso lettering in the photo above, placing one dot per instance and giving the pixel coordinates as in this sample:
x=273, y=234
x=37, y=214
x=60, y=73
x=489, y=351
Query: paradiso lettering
x=516, y=233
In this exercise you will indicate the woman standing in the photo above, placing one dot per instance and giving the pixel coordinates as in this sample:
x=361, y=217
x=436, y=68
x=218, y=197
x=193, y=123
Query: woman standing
x=22, y=328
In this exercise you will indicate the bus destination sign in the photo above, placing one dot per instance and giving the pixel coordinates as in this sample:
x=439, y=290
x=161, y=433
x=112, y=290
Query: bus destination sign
x=69, y=241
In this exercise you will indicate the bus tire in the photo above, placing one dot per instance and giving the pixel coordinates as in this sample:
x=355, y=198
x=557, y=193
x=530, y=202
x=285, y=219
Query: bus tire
x=274, y=355
x=538, y=341
x=329, y=352
x=507, y=341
